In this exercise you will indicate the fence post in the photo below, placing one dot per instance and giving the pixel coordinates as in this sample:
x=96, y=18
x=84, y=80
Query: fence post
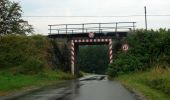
x=99, y=27
x=50, y=29
x=72, y=31
x=58, y=31
x=133, y=26
x=116, y=27
x=66, y=28
x=83, y=28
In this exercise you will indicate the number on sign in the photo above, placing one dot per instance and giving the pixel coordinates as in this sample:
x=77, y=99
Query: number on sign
x=125, y=47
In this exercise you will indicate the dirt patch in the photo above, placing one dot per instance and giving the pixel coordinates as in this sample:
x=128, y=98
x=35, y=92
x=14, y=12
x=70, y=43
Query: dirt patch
x=4, y=94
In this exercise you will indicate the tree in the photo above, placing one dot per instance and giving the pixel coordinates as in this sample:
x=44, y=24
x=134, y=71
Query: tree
x=10, y=19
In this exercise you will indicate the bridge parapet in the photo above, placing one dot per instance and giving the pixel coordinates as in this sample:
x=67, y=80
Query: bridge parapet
x=113, y=27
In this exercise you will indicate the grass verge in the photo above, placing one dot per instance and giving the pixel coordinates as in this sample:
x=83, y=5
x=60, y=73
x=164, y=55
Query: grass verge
x=13, y=82
x=153, y=84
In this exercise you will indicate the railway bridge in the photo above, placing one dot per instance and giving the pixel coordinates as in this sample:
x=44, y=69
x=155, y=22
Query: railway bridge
x=75, y=35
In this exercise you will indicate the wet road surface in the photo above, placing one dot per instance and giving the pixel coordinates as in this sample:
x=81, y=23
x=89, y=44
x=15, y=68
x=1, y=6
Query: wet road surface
x=94, y=87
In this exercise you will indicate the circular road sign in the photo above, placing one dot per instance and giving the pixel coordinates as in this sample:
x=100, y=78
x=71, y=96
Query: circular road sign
x=125, y=47
x=91, y=35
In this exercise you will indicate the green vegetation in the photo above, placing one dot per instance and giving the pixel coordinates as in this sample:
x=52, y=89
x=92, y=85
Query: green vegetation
x=11, y=21
x=153, y=84
x=11, y=82
x=93, y=59
x=147, y=49
x=24, y=54
x=27, y=61
x=145, y=66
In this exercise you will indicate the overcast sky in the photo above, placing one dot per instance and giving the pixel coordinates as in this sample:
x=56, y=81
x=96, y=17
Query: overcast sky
x=94, y=8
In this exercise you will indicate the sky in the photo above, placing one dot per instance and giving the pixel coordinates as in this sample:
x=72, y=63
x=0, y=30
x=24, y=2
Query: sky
x=94, y=8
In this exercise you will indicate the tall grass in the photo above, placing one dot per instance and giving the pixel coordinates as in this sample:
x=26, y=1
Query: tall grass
x=153, y=84
x=159, y=79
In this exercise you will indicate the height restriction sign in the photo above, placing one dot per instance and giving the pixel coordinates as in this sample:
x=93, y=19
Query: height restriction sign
x=125, y=47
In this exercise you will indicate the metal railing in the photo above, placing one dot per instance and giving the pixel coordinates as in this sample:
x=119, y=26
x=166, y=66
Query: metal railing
x=91, y=27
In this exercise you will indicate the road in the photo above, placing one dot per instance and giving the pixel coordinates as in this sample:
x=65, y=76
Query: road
x=94, y=87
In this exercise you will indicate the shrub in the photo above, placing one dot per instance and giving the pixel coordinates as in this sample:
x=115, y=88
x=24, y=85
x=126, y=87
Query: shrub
x=147, y=48
x=123, y=64
x=31, y=66
x=25, y=54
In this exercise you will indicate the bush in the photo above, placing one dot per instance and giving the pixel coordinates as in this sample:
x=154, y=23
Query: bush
x=25, y=54
x=147, y=48
x=123, y=64
x=31, y=66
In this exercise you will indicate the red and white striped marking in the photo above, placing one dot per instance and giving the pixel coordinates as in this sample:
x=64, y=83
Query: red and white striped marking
x=109, y=41
x=90, y=40
x=110, y=51
x=72, y=56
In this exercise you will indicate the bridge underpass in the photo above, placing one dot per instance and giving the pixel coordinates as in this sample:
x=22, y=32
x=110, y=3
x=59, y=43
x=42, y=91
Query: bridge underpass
x=76, y=35
x=93, y=59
